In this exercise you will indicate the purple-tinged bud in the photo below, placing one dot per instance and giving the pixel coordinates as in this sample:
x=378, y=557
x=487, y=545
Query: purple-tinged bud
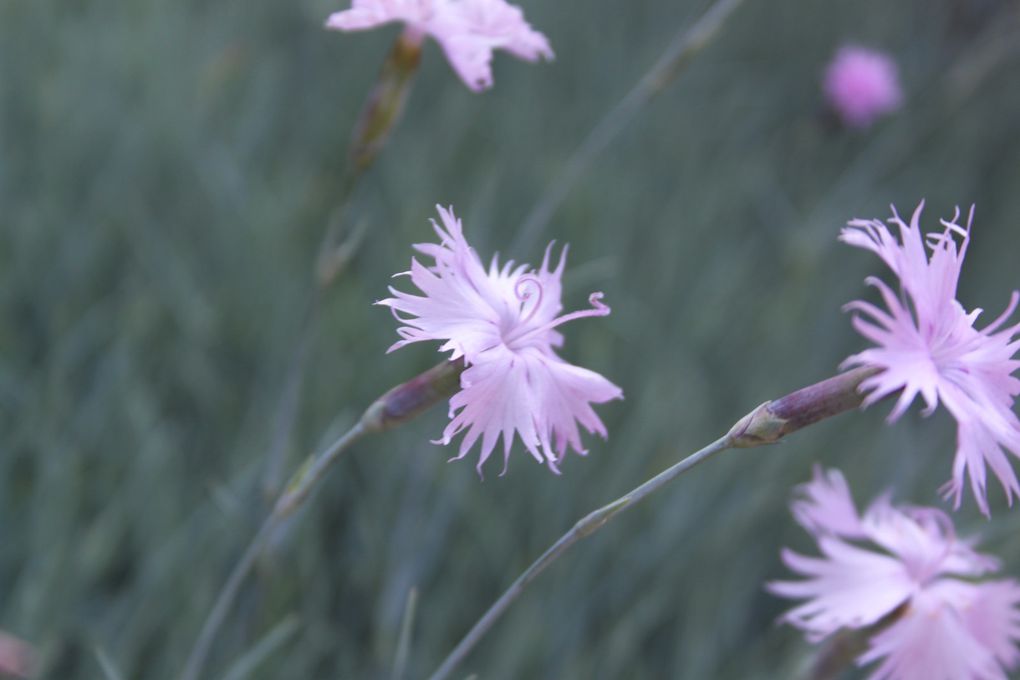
x=408, y=400
x=775, y=419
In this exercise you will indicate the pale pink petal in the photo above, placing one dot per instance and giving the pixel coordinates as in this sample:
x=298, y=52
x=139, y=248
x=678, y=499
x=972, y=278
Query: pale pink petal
x=564, y=394
x=367, y=14
x=504, y=26
x=924, y=541
x=986, y=428
x=468, y=31
x=826, y=506
x=497, y=398
x=460, y=304
x=469, y=56
x=907, y=579
x=850, y=587
x=931, y=641
x=927, y=344
x=993, y=618
x=540, y=397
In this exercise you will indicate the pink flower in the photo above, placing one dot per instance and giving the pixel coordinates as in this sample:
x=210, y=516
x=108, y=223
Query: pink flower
x=861, y=85
x=502, y=322
x=467, y=30
x=17, y=657
x=502, y=26
x=928, y=345
x=902, y=576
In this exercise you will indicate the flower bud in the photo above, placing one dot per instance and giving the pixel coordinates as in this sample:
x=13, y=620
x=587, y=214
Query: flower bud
x=775, y=419
x=404, y=402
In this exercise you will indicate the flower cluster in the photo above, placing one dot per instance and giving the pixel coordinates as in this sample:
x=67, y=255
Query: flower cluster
x=897, y=575
x=928, y=345
x=467, y=30
x=502, y=321
x=901, y=576
x=862, y=85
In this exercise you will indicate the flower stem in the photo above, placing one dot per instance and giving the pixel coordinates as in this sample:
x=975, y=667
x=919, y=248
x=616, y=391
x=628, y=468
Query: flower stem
x=311, y=473
x=766, y=424
x=397, y=406
x=686, y=45
x=382, y=109
x=297, y=491
x=289, y=401
x=584, y=528
x=837, y=655
x=386, y=101
x=200, y=650
x=406, y=631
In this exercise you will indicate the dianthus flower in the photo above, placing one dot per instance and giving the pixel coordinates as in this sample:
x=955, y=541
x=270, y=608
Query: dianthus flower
x=902, y=577
x=928, y=345
x=17, y=657
x=467, y=30
x=861, y=85
x=502, y=322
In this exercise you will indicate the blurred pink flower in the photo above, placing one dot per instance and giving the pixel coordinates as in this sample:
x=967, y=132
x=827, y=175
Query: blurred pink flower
x=17, y=657
x=467, y=30
x=927, y=345
x=861, y=85
x=903, y=571
x=502, y=26
x=502, y=322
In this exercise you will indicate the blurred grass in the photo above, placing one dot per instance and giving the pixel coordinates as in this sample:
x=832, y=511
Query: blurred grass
x=165, y=174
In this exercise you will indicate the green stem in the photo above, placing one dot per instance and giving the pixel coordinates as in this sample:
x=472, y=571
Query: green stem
x=306, y=478
x=404, y=641
x=395, y=407
x=584, y=528
x=766, y=424
x=290, y=400
x=200, y=650
x=296, y=493
x=383, y=108
x=684, y=47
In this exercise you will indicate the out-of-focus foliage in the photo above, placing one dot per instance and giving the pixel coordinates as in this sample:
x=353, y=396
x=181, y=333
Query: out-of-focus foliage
x=166, y=172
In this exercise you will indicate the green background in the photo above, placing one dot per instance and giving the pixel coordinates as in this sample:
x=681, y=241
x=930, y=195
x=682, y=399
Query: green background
x=167, y=170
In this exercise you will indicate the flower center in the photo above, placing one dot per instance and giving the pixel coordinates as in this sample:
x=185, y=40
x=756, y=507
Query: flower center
x=526, y=288
x=938, y=525
x=530, y=293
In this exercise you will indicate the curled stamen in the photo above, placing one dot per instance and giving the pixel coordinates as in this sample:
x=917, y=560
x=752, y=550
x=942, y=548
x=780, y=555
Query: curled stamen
x=963, y=232
x=524, y=294
x=598, y=309
x=952, y=223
